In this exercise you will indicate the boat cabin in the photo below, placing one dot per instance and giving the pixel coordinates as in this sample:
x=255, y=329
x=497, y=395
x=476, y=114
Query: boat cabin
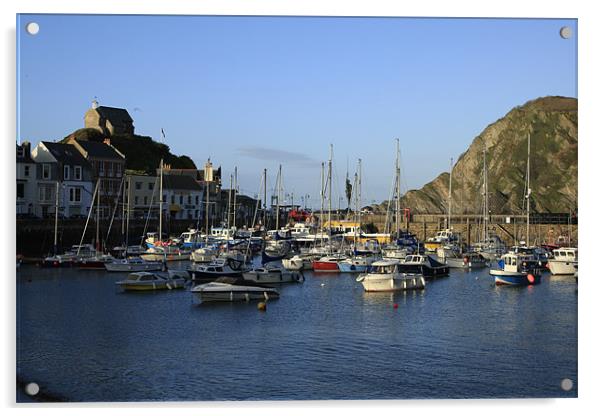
x=565, y=254
x=384, y=267
x=515, y=262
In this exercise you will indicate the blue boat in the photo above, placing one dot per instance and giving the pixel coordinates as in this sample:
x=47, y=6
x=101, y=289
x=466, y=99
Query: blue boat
x=516, y=269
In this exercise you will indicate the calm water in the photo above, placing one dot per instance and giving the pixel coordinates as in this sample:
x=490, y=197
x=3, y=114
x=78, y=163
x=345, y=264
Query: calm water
x=82, y=340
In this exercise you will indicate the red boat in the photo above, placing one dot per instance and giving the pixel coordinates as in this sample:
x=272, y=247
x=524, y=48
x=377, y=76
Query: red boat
x=328, y=264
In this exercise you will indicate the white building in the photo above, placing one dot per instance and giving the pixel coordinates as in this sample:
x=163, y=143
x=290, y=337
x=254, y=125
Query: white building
x=62, y=164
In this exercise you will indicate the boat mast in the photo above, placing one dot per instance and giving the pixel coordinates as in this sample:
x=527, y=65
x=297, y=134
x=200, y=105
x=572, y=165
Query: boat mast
x=229, y=203
x=127, y=220
x=161, y=192
x=234, y=200
x=528, y=182
x=98, y=222
x=449, y=194
x=278, y=185
x=486, y=197
x=398, y=190
x=265, y=199
x=56, y=218
x=330, y=190
x=322, y=199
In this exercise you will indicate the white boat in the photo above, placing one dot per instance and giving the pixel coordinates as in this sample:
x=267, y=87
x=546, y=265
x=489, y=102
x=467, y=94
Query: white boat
x=168, y=253
x=230, y=290
x=150, y=281
x=467, y=261
x=133, y=264
x=395, y=252
x=204, y=254
x=356, y=264
x=298, y=262
x=564, y=261
x=384, y=276
x=515, y=269
x=271, y=274
x=217, y=268
x=443, y=237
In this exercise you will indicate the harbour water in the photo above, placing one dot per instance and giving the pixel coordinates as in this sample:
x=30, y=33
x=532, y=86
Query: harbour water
x=80, y=339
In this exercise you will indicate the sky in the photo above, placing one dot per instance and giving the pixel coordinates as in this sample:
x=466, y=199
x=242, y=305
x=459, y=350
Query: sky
x=256, y=92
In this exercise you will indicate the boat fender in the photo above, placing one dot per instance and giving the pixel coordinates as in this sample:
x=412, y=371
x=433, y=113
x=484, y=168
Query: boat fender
x=531, y=278
x=465, y=260
x=261, y=306
x=168, y=286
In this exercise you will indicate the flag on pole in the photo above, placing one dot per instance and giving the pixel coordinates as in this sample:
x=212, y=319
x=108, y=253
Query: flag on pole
x=162, y=133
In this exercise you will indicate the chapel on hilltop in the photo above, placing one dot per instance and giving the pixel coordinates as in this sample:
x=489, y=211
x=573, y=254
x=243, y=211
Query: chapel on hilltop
x=109, y=121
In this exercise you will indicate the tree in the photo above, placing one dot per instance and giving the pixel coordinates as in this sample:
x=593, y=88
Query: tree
x=348, y=191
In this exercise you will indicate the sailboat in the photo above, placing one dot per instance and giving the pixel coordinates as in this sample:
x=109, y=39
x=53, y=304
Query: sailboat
x=329, y=263
x=519, y=267
x=131, y=263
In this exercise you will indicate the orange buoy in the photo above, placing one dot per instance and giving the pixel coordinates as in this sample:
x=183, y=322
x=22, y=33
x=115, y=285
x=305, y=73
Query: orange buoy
x=531, y=278
x=261, y=306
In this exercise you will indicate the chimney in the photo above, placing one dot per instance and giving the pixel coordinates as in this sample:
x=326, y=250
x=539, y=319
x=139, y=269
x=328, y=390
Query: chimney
x=107, y=141
x=26, y=148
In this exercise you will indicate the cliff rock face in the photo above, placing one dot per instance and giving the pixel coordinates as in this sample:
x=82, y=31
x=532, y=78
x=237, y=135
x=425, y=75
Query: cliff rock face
x=552, y=124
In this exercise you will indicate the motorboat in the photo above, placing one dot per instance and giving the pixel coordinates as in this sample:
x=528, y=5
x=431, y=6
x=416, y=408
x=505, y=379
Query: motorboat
x=168, y=253
x=133, y=264
x=272, y=274
x=329, y=264
x=564, y=261
x=139, y=281
x=470, y=260
x=424, y=265
x=298, y=262
x=516, y=269
x=384, y=276
x=443, y=237
x=204, y=254
x=217, y=268
x=492, y=247
x=356, y=264
x=227, y=289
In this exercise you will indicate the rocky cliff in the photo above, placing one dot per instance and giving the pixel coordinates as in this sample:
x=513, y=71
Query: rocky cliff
x=552, y=124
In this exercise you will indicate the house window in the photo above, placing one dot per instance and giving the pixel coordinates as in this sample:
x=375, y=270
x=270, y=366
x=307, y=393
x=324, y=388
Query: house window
x=189, y=199
x=20, y=152
x=146, y=200
x=196, y=200
x=45, y=193
x=75, y=195
x=181, y=199
x=135, y=200
x=66, y=172
x=138, y=185
x=109, y=169
x=77, y=173
x=20, y=190
x=26, y=170
x=118, y=169
x=173, y=199
x=151, y=186
x=45, y=171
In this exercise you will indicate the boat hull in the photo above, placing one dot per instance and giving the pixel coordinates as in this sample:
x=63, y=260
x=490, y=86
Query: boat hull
x=325, y=266
x=427, y=272
x=268, y=278
x=133, y=267
x=391, y=282
x=515, y=278
x=199, y=276
x=461, y=263
x=168, y=257
x=220, y=292
x=562, y=267
x=150, y=286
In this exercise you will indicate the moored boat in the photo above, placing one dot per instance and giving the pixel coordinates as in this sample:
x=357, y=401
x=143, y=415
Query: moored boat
x=230, y=290
x=564, y=261
x=142, y=281
x=424, y=265
x=384, y=276
x=515, y=269
x=328, y=264
x=218, y=268
x=469, y=260
x=133, y=264
x=271, y=274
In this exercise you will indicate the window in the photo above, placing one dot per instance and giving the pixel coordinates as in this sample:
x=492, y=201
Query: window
x=20, y=190
x=151, y=186
x=26, y=170
x=20, y=152
x=75, y=195
x=181, y=199
x=196, y=200
x=138, y=185
x=45, y=171
x=77, y=173
x=66, y=172
x=135, y=200
x=101, y=169
x=118, y=169
x=189, y=199
x=146, y=200
x=173, y=199
x=45, y=193
x=109, y=168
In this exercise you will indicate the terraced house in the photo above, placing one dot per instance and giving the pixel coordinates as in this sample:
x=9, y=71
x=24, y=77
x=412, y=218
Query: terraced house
x=61, y=167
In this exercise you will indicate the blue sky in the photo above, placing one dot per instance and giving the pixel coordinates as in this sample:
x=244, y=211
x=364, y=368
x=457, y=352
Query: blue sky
x=254, y=92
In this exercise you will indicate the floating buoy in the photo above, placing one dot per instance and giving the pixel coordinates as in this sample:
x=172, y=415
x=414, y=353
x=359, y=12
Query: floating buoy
x=322, y=284
x=531, y=278
x=395, y=306
x=261, y=306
